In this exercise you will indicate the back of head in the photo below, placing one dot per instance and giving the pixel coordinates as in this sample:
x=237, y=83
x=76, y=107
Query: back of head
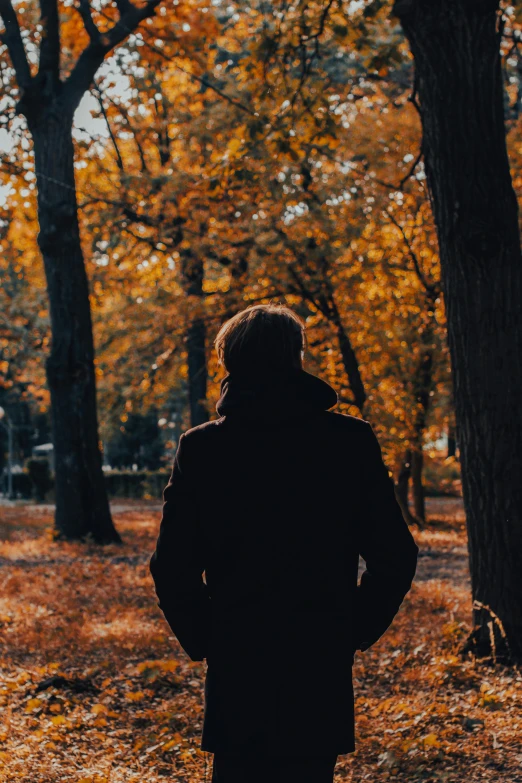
x=263, y=339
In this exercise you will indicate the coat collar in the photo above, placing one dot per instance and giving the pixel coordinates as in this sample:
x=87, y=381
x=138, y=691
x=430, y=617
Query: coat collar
x=287, y=394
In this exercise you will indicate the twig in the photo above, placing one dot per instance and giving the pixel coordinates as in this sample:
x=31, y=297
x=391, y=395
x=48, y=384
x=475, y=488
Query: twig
x=431, y=288
x=97, y=89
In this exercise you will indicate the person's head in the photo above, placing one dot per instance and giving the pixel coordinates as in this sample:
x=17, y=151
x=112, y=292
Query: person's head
x=262, y=338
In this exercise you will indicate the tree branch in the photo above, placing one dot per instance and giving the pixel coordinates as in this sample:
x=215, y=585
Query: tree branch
x=84, y=9
x=129, y=21
x=123, y=6
x=82, y=75
x=406, y=177
x=201, y=79
x=119, y=159
x=431, y=288
x=125, y=114
x=12, y=38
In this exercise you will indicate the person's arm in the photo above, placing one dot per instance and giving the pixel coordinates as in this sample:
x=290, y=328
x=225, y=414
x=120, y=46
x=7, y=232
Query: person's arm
x=177, y=565
x=386, y=545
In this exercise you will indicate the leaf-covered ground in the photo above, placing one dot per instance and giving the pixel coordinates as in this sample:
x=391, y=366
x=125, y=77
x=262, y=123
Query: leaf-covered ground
x=94, y=689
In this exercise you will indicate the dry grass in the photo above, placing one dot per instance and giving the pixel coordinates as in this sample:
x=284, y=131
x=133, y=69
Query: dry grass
x=125, y=704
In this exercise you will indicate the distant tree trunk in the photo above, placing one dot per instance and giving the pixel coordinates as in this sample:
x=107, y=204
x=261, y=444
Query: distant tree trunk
x=350, y=362
x=351, y=367
x=82, y=505
x=458, y=81
x=423, y=387
x=234, y=301
x=197, y=371
x=452, y=442
x=311, y=279
x=402, y=488
x=419, y=504
x=193, y=273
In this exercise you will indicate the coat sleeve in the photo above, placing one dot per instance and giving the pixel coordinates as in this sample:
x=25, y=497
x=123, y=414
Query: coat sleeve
x=177, y=565
x=386, y=545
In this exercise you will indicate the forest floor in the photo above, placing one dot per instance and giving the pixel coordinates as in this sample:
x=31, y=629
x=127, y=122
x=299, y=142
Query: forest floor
x=94, y=688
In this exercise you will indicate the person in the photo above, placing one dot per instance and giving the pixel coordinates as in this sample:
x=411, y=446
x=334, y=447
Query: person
x=265, y=515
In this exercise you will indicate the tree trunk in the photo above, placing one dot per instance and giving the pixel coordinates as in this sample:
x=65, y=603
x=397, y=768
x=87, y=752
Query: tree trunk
x=402, y=488
x=197, y=371
x=423, y=386
x=452, y=442
x=458, y=80
x=234, y=301
x=351, y=367
x=82, y=506
x=419, y=505
x=196, y=340
x=350, y=362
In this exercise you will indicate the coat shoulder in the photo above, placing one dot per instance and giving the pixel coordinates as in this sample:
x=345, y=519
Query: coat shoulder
x=346, y=423
x=203, y=431
x=196, y=441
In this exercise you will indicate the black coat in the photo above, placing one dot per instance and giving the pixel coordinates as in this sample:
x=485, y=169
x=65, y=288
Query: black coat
x=275, y=501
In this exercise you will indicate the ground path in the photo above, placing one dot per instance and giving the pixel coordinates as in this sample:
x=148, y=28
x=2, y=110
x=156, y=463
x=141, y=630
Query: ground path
x=94, y=689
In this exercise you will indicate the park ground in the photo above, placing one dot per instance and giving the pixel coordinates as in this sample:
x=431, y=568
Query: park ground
x=94, y=688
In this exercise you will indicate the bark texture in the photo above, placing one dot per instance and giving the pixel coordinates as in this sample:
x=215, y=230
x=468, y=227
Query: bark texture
x=402, y=487
x=458, y=83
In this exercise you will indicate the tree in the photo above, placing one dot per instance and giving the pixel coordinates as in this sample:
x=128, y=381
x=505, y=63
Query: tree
x=458, y=85
x=48, y=98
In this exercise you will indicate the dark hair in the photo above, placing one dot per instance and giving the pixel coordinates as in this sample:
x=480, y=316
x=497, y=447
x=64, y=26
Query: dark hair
x=262, y=338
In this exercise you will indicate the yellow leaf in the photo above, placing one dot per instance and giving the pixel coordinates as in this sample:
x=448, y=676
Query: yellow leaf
x=33, y=704
x=234, y=145
x=135, y=695
x=58, y=720
x=431, y=741
x=99, y=709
